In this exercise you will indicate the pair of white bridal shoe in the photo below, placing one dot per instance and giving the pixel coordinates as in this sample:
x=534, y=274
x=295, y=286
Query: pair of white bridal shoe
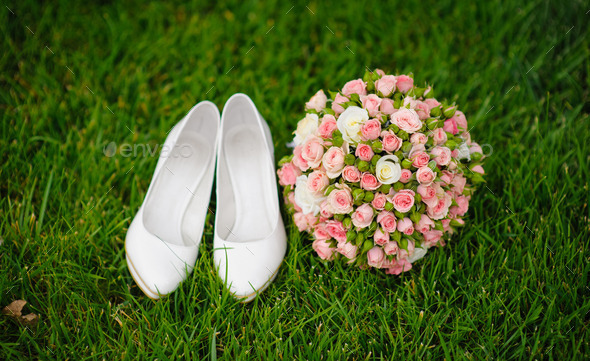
x=163, y=240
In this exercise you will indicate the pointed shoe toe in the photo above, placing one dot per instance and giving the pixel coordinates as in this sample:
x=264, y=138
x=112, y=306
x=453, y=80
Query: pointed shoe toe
x=156, y=266
x=248, y=268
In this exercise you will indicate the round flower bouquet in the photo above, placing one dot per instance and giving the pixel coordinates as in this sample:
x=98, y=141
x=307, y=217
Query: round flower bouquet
x=381, y=172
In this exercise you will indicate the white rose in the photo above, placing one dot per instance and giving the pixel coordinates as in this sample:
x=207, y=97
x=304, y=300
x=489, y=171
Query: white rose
x=350, y=122
x=305, y=199
x=463, y=152
x=306, y=127
x=418, y=254
x=388, y=169
x=317, y=102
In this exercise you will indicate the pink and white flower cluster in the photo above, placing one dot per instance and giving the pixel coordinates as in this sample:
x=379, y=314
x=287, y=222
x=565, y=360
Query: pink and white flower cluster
x=381, y=172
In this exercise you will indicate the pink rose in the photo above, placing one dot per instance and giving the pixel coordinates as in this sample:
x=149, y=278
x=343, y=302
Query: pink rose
x=391, y=142
x=347, y=249
x=375, y=257
x=387, y=221
x=442, y=155
x=461, y=208
x=386, y=106
x=312, y=151
x=288, y=174
x=386, y=85
x=317, y=102
x=371, y=103
x=431, y=238
x=379, y=201
x=362, y=216
x=405, y=226
x=422, y=109
x=380, y=237
x=371, y=129
x=323, y=249
x=351, y=174
x=447, y=225
x=364, y=152
x=403, y=200
x=401, y=265
x=428, y=194
x=425, y=176
x=452, y=165
x=387, y=263
x=420, y=159
x=304, y=222
x=333, y=161
x=298, y=158
x=336, y=230
x=460, y=120
x=451, y=126
x=439, y=136
x=478, y=169
x=424, y=224
x=337, y=103
x=311, y=220
x=406, y=175
x=317, y=182
x=418, y=138
x=369, y=182
x=441, y=209
x=407, y=120
x=390, y=248
x=458, y=183
x=325, y=209
x=447, y=177
x=475, y=148
x=320, y=232
x=300, y=221
x=327, y=126
x=416, y=148
x=432, y=103
x=357, y=86
x=340, y=200
x=404, y=83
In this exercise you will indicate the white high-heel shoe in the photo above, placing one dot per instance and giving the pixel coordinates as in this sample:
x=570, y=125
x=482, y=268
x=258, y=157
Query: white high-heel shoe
x=162, y=242
x=250, y=239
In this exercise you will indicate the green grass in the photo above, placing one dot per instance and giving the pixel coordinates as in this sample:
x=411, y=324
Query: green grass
x=513, y=284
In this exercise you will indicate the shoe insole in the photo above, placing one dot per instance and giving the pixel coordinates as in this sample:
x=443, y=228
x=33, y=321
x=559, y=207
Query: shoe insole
x=246, y=156
x=178, y=184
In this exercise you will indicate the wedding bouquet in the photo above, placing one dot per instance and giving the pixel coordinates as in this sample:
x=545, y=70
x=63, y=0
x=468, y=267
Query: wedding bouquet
x=381, y=172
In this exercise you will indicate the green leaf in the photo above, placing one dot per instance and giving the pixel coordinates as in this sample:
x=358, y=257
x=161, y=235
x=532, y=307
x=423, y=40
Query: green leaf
x=213, y=348
x=355, y=98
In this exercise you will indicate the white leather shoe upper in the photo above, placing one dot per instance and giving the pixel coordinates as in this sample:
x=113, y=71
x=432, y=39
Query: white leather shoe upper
x=162, y=242
x=249, y=239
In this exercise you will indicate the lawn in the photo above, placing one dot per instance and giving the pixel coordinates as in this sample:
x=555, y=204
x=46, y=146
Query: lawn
x=77, y=76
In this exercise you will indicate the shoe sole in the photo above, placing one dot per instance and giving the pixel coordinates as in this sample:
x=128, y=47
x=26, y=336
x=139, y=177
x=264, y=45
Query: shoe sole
x=137, y=278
